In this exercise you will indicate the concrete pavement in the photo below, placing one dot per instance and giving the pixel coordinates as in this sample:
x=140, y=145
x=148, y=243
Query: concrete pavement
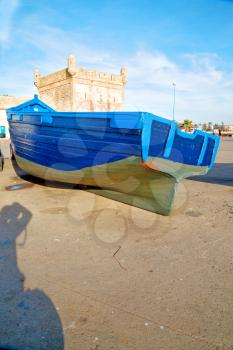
x=80, y=271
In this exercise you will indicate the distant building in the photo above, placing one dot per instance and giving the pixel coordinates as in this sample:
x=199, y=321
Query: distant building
x=6, y=102
x=226, y=130
x=77, y=89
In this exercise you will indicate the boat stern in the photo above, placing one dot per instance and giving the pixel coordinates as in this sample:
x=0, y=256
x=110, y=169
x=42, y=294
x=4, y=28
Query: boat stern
x=167, y=149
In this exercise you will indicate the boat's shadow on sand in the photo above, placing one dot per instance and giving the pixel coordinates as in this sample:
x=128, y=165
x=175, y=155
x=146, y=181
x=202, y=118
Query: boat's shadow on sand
x=47, y=183
x=220, y=174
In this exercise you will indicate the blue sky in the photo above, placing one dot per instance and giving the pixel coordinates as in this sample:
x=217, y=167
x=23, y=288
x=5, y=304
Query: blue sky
x=160, y=42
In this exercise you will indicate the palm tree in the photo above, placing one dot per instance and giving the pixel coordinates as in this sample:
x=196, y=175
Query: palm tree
x=187, y=125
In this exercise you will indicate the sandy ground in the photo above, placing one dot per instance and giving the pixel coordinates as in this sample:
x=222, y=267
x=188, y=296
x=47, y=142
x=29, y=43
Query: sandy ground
x=79, y=271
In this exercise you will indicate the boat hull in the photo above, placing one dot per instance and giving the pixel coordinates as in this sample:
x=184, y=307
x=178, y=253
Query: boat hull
x=127, y=181
x=135, y=157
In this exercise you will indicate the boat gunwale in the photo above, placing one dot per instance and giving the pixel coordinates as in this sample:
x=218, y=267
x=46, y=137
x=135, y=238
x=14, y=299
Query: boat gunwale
x=143, y=123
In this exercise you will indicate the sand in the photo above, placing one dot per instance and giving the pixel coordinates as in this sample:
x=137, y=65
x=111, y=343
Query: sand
x=79, y=271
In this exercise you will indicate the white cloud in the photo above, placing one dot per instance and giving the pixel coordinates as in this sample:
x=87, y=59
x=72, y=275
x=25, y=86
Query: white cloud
x=54, y=45
x=203, y=92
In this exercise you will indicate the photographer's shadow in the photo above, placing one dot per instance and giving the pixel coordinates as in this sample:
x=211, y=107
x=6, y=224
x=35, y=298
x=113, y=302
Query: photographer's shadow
x=28, y=318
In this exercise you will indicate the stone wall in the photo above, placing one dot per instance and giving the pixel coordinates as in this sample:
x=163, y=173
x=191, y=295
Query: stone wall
x=11, y=101
x=78, y=89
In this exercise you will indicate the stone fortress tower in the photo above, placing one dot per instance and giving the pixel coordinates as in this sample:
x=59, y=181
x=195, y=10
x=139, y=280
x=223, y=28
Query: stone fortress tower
x=77, y=89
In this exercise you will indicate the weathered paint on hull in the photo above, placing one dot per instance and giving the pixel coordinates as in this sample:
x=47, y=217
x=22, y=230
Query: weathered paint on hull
x=126, y=180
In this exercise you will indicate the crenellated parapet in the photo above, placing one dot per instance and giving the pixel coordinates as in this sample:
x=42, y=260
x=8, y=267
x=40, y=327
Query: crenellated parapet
x=76, y=88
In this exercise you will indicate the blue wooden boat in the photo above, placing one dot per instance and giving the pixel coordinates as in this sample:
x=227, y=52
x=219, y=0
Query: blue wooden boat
x=135, y=157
